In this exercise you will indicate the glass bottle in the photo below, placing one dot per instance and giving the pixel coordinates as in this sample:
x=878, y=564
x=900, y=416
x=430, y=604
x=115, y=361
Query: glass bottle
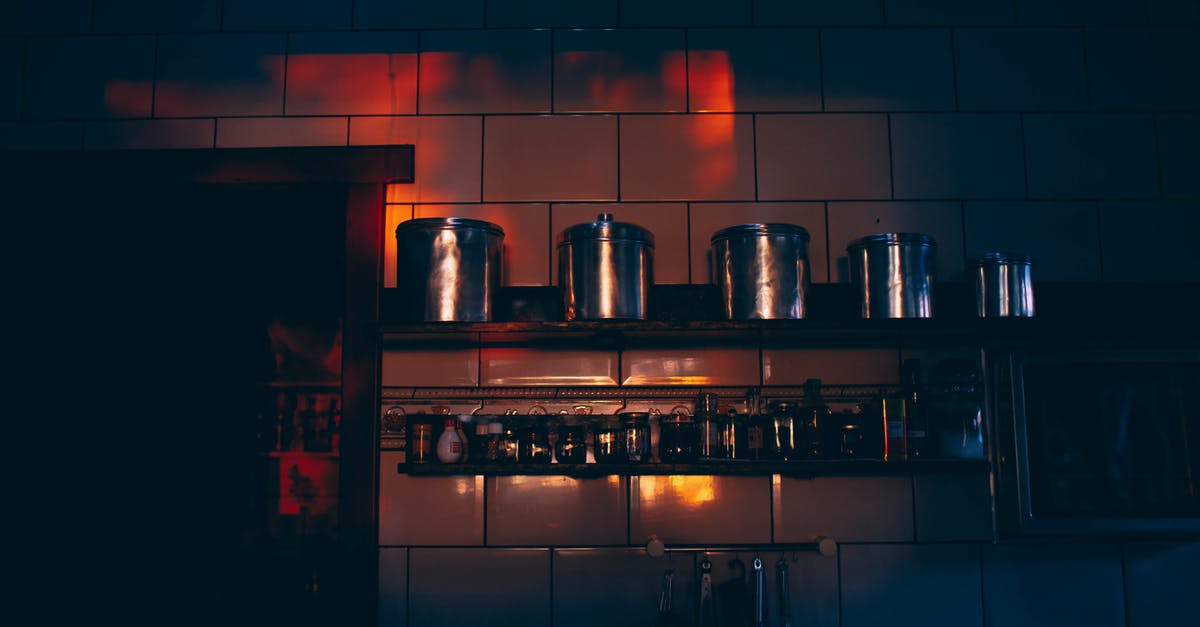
x=495, y=434
x=815, y=417
x=609, y=441
x=450, y=445
x=956, y=418
x=733, y=435
x=635, y=429
x=509, y=450
x=918, y=442
x=708, y=427
x=535, y=443
x=760, y=432
x=678, y=442
x=571, y=447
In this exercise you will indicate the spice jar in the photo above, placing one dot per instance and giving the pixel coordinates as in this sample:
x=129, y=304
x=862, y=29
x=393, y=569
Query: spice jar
x=571, y=447
x=635, y=431
x=420, y=441
x=678, y=441
x=733, y=435
x=708, y=427
x=609, y=440
x=534, y=440
x=509, y=446
x=785, y=421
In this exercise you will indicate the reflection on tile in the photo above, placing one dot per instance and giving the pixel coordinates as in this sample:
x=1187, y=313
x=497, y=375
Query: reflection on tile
x=393, y=215
x=691, y=366
x=419, y=368
x=557, y=157
x=351, y=73
x=793, y=366
x=898, y=69
x=1011, y=69
x=817, y=157
x=469, y=587
x=668, y=222
x=494, y=71
x=428, y=510
x=1146, y=241
x=687, y=157
x=606, y=587
x=393, y=586
x=149, y=134
x=448, y=163
x=892, y=584
x=849, y=221
x=823, y=13
x=1062, y=237
x=255, y=132
x=526, y=238
x=953, y=507
x=219, y=75
x=1053, y=584
x=754, y=70
x=708, y=218
x=957, y=156
x=554, y=511
x=619, y=70
x=812, y=584
x=696, y=509
x=1160, y=583
x=1090, y=156
x=89, y=77
x=847, y=509
x=543, y=13
x=531, y=366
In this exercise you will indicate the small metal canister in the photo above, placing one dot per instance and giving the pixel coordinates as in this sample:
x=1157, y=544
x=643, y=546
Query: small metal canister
x=1004, y=285
x=606, y=270
x=761, y=270
x=893, y=274
x=448, y=269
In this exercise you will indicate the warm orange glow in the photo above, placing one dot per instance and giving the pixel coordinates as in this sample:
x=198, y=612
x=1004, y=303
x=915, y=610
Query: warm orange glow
x=711, y=78
x=207, y=96
x=352, y=83
x=128, y=97
x=689, y=490
x=612, y=85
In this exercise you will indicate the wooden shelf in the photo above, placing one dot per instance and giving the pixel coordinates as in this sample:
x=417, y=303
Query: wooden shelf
x=819, y=468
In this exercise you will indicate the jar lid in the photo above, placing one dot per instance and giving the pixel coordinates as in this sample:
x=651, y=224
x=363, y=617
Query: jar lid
x=1004, y=258
x=768, y=228
x=448, y=224
x=886, y=239
x=605, y=229
x=634, y=416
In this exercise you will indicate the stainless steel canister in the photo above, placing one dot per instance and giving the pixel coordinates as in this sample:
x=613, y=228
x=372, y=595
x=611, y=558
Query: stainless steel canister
x=448, y=269
x=761, y=270
x=1004, y=285
x=892, y=274
x=606, y=270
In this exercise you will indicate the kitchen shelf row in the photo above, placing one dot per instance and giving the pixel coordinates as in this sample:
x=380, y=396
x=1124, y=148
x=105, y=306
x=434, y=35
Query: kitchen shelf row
x=801, y=469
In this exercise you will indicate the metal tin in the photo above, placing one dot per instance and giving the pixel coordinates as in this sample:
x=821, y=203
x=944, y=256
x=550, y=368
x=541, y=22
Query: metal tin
x=606, y=270
x=449, y=269
x=892, y=274
x=761, y=270
x=1004, y=285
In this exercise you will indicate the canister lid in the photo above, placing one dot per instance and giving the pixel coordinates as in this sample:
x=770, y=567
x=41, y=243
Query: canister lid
x=885, y=239
x=604, y=228
x=1004, y=258
x=769, y=228
x=448, y=224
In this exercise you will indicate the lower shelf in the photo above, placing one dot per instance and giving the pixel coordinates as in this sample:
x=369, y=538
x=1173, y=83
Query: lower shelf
x=816, y=468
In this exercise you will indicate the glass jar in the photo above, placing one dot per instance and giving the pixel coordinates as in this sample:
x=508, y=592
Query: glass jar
x=678, y=442
x=509, y=446
x=571, y=447
x=534, y=440
x=733, y=435
x=813, y=418
x=957, y=410
x=708, y=427
x=420, y=441
x=635, y=432
x=610, y=438
x=785, y=420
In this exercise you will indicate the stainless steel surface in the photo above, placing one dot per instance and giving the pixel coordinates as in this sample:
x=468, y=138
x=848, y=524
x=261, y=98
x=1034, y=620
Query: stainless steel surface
x=1004, y=285
x=449, y=267
x=606, y=270
x=761, y=270
x=893, y=274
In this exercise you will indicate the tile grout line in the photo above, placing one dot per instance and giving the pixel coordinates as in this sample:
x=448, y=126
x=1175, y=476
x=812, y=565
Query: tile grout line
x=287, y=42
x=754, y=149
x=828, y=247
x=154, y=79
x=891, y=161
x=982, y=589
x=821, y=65
x=1121, y=551
x=417, y=87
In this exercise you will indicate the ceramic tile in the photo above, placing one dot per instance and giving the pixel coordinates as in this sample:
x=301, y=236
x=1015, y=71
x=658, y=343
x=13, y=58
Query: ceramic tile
x=957, y=156
x=1015, y=69
x=1052, y=584
x=687, y=157
x=550, y=158
x=685, y=12
x=792, y=366
x=605, y=587
x=754, y=70
x=12, y=60
x=448, y=162
x=668, y=222
x=504, y=367
x=351, y=73
x=393, y=215
x=149, y=134
x=1062, y=238
x=1143, y=69
x=256, y=132
x=698, y=509
x=1076, y=12
x=708, y=218
x=526, y=236
x=430, y=368
x=1174, y=12
x=812, y=585
x=89, y=77
x=690, y=366
x=504, y=587
x=1160, y=583
x=156, y=16
x=887, y=70
x=545, y=13
x=285, y=14
x=620, y=70
x=849, y=221
x=497, y=71
x=392, y=14
x=41, y=135
x=816, y=157
x=892, y=584
x=428, y=510
x=1178, y=138
x=953, y=507
x=1090, y=156
x=51, y=16
x=555, y=511
x=219, y=75
x=1147, y=241
x=393, y=586
x=847, y=509
x=948, y=12
x=818, y=13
